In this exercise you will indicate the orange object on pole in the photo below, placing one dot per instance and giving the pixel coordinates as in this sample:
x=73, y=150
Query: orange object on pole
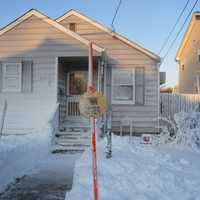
x=92, y=123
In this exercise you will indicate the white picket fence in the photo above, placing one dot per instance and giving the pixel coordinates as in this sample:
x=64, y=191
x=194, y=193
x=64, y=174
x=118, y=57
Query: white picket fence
x=174, y=103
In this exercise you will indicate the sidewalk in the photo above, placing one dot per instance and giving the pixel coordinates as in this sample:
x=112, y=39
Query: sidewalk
x=48, y=181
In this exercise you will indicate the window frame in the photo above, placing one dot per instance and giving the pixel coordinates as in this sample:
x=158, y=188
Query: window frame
x=4, y=65
x=198, y=55
x=72, y=24
x=129, y=102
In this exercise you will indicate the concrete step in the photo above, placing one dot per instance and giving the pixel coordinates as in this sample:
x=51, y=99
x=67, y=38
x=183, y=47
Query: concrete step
x=61, y=149
x=75, y=129
x=72, y=140
x=69, y=138
x=71, y=133
x=69, y=145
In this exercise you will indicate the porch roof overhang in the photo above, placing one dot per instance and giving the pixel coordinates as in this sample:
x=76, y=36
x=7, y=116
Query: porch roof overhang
x=53, y=23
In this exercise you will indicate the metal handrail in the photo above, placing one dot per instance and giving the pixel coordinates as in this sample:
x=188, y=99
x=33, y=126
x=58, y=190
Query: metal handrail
x=3, y=117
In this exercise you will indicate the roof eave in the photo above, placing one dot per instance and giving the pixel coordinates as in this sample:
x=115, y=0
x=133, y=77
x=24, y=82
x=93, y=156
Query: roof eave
x=104, y=28
x=186, y=35
x=51, y=22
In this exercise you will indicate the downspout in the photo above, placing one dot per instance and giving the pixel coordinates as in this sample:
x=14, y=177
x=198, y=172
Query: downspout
x=108, y=116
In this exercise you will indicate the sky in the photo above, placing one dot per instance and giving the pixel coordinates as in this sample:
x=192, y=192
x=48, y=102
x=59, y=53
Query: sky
x=146, y=22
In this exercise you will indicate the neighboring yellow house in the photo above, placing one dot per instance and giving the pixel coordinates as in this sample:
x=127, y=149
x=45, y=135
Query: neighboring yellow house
x=188, y=58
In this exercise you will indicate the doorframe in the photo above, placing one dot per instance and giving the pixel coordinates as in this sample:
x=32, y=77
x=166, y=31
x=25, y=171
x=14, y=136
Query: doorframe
x=72, y=118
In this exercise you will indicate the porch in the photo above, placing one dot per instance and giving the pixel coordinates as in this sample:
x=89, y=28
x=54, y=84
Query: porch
x=72, y=83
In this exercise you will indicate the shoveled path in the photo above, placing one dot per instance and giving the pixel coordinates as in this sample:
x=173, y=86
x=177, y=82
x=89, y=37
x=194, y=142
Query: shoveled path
x=48, y=181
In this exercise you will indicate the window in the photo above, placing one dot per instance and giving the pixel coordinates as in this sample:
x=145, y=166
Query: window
x=198, y=84
x=77, y=82
x=198, y=58
x=123, y=84
x=12, y=73
x=198, y=55
x=72, y=27
x=182, y=67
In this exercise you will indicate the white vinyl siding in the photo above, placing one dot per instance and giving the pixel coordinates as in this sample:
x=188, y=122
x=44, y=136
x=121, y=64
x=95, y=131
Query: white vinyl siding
x=12, y=77
x=123, y=86
x=121, y=55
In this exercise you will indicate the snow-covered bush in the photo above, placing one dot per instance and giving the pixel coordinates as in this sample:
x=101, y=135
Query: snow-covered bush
x=183, y=130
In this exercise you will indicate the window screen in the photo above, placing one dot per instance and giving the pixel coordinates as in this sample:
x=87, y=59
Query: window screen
x=123, y=85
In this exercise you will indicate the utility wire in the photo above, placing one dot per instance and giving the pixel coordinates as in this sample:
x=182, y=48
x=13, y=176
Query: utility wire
x=173, y=28
x=115, y=15
x=172, y=44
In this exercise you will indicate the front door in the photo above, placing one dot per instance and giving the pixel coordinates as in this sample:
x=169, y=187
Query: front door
x=76, y=86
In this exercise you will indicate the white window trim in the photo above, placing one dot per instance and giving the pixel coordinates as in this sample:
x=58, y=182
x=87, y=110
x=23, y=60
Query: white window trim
x=133, y=81
x=20, y=84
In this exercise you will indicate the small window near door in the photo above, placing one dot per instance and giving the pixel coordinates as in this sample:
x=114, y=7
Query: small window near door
x=72, y=27
x=77, y=83
x=12, y=77
x=182, y=67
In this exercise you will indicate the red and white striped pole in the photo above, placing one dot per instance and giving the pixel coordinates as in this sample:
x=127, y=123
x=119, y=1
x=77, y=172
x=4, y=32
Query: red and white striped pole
x=92, y=124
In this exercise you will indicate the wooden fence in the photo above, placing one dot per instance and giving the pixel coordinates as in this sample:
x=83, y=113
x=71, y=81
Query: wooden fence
x=174, y=103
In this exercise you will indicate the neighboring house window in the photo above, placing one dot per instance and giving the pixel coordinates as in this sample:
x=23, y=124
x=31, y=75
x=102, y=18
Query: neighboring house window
x=72, y=27
x=199, y=58
x=123, y=84
x=198, y=55
x=198, y=84
x=182, y=67
x=12, y=77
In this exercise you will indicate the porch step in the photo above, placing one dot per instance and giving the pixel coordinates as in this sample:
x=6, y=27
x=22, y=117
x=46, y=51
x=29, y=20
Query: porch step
x=75, y=129
x=72, y=139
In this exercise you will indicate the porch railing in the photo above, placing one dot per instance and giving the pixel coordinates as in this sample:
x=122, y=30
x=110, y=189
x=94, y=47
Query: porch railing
x=73, y=106
x=54, y=122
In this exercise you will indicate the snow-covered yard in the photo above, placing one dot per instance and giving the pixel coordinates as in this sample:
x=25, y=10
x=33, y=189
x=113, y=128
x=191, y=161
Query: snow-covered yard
x=167, y=169
x=19, y=154
x=140, y=172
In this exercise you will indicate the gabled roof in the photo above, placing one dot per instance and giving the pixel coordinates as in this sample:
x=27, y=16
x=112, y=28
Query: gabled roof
x=187, y=35
x=109, y=31
x=53, y=23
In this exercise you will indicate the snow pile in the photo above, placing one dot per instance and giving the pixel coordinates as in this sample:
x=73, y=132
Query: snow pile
x=183, y=131
x=140, y=172
x=20, y=153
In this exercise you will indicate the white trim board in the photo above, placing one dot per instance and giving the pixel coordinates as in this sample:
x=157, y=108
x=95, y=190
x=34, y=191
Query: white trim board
x=51, y=22
x=109, y=31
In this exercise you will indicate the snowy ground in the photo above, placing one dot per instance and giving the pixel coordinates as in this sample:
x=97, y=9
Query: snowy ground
x=139, y=172
x=19, y=154
x=48, y=180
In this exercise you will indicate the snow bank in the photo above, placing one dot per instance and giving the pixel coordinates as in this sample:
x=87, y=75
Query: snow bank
x=183, y=131
x=138, y=172
x=20, y=153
